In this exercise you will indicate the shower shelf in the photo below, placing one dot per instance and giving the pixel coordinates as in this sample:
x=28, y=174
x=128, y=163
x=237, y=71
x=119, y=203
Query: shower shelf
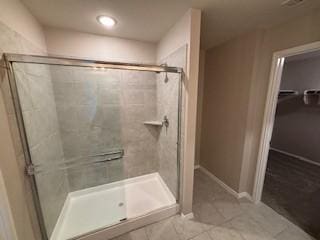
x=153, y=123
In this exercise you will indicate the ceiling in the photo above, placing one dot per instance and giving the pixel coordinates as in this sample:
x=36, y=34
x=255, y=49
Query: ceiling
x=148, y=20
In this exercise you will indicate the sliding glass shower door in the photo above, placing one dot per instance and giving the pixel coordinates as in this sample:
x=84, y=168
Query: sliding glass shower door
x=73, y=127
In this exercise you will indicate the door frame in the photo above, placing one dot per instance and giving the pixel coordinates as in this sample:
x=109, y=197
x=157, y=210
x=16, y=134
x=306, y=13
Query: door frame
x=270, y=110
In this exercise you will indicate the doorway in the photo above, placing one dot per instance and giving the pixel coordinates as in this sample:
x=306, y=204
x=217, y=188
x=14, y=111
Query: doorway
x=288, y=170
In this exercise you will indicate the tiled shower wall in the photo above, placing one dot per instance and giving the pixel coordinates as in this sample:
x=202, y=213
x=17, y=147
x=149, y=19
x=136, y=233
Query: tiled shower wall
x=89, y=122
x=39, y=112
x=103, y=110
x=167, y=102
x=138, y=93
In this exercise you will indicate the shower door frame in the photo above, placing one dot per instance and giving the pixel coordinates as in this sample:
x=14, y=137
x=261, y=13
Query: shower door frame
x=9, y=59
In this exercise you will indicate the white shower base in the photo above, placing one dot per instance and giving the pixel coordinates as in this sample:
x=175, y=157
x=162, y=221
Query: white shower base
x=98, y=207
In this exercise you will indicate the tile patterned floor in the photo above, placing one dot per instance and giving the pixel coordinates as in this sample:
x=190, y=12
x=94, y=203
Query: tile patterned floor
x=220, y=216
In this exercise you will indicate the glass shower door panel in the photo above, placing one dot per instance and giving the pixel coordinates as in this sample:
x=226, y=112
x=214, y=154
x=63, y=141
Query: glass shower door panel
x=72, y=122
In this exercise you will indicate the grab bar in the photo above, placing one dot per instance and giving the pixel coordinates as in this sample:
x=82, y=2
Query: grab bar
x=108, y=153
x=33, y=169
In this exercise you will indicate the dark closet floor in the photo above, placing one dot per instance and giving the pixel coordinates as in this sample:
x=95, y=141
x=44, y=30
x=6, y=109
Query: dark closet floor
x=292, y=188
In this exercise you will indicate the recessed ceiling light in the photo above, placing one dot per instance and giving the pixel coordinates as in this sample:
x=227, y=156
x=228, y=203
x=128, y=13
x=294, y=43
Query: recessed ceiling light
x=106, y=21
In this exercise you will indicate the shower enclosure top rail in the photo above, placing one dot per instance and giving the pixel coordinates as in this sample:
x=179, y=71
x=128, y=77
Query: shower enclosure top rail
x=56, y=60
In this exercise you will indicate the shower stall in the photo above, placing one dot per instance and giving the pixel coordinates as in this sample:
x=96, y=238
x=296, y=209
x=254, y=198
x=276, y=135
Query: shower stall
x=100, y=140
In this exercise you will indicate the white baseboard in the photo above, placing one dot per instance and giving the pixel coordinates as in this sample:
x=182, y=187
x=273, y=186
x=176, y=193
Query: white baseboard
x=196, y=167
x=225, y=186
x=295, y=156
x=245, y=195
x=187, y=216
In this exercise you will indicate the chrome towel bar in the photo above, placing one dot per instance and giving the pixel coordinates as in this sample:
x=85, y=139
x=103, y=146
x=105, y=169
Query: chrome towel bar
x=33, y=169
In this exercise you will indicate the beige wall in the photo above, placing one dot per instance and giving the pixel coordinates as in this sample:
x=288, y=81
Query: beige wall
x=17, y=17
x=202, y=61
x=191, y=107
x=7, y=156
x=186, y=32
x=241, y=140
x=177, y=36
x=7, y=230
x=226, y=95
x=90, y=46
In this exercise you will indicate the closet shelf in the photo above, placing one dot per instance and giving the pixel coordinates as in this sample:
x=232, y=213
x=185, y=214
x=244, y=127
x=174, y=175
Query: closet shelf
x=153, y=123
x=286, y=93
